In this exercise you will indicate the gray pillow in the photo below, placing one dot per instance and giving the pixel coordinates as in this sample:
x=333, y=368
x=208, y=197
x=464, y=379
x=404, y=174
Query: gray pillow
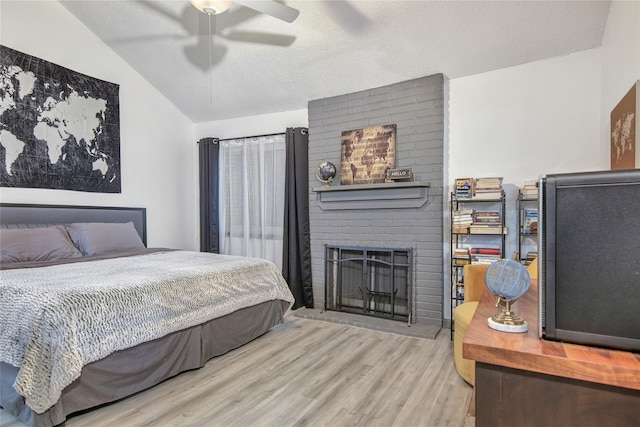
x=36, y=244
x=96, y=238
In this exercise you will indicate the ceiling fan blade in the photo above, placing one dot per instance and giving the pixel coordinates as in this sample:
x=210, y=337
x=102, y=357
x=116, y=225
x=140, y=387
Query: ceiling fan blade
x=271, y=7
x=260, y=38
x=144, y=38
x=159, y=9
x=348, y=16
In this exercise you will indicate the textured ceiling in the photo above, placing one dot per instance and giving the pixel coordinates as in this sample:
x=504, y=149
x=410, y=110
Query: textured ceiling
x=263, y=65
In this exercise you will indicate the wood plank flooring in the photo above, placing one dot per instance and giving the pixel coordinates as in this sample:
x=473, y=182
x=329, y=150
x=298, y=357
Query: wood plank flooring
x=305, y=373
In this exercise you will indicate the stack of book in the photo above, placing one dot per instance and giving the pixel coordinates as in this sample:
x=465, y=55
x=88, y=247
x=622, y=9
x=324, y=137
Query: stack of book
x=488, y=188
x=461, y=256
x=487, y=223
x=530, y=190
x=531, y=255
x=530, y=221
x=484, y=255
x=462, y=219
x=464, y=188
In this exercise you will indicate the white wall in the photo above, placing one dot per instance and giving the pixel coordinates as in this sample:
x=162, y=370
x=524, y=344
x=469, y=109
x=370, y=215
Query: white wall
x=620, y=66
x=526, y=121
x=264, y=124
x=158, y=151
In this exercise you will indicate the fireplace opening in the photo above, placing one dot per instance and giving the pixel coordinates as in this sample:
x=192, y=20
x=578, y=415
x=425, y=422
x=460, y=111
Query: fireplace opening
x=370, y=281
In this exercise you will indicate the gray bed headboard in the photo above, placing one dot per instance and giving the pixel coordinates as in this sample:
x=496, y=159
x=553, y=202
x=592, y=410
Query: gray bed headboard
x=13, y=215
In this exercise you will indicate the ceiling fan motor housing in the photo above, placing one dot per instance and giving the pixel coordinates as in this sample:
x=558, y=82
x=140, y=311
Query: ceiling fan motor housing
x=211, y=7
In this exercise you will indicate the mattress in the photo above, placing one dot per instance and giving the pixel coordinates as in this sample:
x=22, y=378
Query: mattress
x=191, y=306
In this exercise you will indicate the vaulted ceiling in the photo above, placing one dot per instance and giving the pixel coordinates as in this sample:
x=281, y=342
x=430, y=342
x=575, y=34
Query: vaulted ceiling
x=257, y=64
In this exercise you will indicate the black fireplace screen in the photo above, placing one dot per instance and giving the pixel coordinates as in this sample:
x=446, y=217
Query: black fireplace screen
x=370, y=281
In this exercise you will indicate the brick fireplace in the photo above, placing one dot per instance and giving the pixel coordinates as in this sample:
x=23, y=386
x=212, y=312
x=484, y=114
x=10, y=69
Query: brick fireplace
x=375, y=282
x=395, y=215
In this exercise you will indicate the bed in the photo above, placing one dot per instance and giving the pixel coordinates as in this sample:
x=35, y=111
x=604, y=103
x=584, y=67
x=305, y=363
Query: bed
x=90, y=315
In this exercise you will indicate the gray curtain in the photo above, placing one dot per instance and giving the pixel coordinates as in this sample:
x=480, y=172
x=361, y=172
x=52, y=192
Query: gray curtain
x=296, y=256
x=208, y=150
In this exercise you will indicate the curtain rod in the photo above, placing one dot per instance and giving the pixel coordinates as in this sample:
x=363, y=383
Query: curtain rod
x=254, y=136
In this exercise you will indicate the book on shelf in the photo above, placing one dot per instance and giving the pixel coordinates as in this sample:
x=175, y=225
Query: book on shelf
x=488, y=188
x=530, y=221
x=481, y=224
x=460, y=230
x=462, y=219
x=497, y=179
x=465, y=216
x=487, y=220
x=489, y=195
x=464, y=188
x=494, y=183
x=530, y=190
x=484, y=259
x=488, y=230
x=464, y=212
x=461, y=256
x=485, y=251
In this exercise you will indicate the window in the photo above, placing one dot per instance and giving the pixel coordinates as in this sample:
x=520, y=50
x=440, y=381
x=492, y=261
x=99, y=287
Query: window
x=252, y=173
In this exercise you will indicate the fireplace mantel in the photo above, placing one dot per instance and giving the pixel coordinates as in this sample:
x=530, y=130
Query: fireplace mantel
x=390, y=195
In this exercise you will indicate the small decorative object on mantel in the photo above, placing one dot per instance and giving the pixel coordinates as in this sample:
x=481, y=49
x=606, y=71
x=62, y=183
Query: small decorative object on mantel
x=404, y=174
x=509, y=280
x=325, y=172
x=367, y=154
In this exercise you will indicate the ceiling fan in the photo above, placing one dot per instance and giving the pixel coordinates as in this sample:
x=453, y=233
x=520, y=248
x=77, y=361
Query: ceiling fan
x=268, y=7
x=216, y=7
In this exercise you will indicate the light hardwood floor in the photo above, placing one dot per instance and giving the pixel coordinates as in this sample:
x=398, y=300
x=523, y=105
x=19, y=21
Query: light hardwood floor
x=305, y=373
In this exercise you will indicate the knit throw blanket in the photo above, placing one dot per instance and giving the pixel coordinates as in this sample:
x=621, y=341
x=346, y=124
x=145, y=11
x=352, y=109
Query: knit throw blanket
x=54, y=320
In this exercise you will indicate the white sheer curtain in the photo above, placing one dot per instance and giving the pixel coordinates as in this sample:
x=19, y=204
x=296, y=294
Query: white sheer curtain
x=251, y=200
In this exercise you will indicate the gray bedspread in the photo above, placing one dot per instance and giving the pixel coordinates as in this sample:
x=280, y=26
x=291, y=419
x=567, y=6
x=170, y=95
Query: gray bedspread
x=56, y=319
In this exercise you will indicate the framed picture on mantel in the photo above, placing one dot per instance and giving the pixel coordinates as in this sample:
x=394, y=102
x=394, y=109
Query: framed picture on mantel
x=624, y=132
x=367, y=154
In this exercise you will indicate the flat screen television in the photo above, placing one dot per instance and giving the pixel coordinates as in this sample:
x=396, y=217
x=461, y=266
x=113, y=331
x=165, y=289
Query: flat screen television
x=589, y=258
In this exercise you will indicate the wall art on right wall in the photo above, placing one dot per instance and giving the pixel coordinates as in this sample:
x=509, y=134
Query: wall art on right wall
x=624, y=132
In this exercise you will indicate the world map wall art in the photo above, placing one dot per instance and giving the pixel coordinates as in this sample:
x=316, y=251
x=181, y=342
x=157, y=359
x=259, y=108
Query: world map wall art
x=59, y=129
x=367, y=154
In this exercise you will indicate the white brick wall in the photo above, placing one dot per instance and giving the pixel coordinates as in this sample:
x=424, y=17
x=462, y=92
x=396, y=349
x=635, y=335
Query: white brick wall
x=416, y=108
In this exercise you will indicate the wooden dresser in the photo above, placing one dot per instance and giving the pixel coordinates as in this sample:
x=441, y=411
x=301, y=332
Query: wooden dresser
x=522, y=380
